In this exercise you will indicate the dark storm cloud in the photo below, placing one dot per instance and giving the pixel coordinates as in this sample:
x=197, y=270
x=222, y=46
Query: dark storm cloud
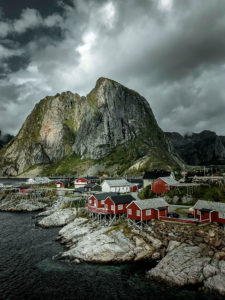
x=172, y=52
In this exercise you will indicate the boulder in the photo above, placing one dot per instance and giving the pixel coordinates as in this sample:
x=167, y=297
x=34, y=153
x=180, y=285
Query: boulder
x=181, y=266
x=172, y=245
x=58, y=218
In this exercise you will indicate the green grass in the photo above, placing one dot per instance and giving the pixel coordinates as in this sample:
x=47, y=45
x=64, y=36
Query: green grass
x=71, y=164
x=121, y=226
x=146, y=193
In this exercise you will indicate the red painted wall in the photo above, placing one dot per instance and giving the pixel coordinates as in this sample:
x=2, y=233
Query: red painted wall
x=204, y=216
x=81, y=180
x=214, y=217
x=92, y=198
x=160, y=187
x=109, y=204
x=154, y=213
x=134, y=189
x=25, y=190
x=117, y=211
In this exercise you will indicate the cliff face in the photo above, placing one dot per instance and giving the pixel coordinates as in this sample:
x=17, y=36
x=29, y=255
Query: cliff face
x=116, y=115
x=89, y=127
x=204, y=148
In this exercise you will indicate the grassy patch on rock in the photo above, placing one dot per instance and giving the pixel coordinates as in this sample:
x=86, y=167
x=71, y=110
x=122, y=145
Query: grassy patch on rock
x=71, y=164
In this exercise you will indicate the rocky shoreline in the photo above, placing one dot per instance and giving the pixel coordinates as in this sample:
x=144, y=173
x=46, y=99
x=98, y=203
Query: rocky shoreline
x=185, y=254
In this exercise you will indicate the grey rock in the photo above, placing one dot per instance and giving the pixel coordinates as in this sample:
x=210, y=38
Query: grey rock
x=110, y=117
x=204, y=148
x=60, y=217
x=172, y=245
x=181, y=266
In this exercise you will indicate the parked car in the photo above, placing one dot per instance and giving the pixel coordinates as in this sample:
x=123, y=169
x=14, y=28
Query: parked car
x=173, y=215
x=190, y=215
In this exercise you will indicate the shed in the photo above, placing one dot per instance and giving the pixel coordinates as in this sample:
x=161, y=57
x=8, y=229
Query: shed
x=150, y=176
x=209, y=210
x=59, y=184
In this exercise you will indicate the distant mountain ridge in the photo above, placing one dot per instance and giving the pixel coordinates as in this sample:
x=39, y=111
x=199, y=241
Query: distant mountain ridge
x=112, y=130
x=4, y=139
x=204, y=148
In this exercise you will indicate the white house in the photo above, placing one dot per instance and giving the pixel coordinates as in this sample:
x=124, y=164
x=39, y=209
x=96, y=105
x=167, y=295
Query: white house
x=117, y=185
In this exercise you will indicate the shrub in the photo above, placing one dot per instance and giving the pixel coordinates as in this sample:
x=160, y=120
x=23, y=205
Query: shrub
x=146, y=193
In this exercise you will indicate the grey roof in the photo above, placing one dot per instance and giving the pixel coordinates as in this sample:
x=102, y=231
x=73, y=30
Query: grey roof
x=118, y=182
x=169, y=180
x=151, y=203
x=217, y=206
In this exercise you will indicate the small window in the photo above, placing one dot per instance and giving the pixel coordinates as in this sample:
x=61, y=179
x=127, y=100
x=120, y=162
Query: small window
x=120, y=207
x=95, y=203
x=138, y=213
x=221, y=215
x=102, y=201
x=106, y=206
x=148, y=212
x=90, y=201
x=112, y=207
x=129, y=211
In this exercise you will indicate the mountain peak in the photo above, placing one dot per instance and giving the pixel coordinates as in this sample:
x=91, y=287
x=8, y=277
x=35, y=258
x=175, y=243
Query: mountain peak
x=110, y=119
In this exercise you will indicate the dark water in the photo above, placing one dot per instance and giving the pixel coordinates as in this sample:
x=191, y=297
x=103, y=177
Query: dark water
x=13, y=181
x=27, y=270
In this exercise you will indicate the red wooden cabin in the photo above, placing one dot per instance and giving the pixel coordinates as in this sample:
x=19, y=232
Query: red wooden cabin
x=163, y=185
x=98, y=200
x=211, y=211
x=82, y=181
x=59, y=184
x=143, y=210
x=117, y=204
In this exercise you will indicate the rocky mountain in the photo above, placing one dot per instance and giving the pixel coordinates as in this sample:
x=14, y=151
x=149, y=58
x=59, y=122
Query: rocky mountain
x=111, y=129
x=4, y=139
x=204, y=148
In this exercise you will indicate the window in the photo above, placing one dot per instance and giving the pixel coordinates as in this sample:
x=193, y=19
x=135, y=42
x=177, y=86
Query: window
x=102, y=201
x=95, y=203
x=90, y=201
x=129, y=211
x=148, y=212
x=106, y=206
x=120, y=207
x=221, y=215
x=138, y=213
x=112, y=207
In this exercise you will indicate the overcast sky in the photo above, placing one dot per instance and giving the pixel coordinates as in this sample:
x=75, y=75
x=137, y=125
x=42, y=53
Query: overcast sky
x=170, y=51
